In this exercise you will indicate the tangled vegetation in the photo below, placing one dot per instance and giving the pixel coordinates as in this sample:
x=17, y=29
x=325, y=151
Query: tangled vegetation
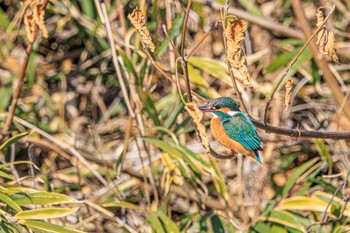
x=101, y=131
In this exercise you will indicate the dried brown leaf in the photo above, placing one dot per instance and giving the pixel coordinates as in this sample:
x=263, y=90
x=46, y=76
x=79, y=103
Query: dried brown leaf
x=34, y=18
x=325, y=38
x=288, y=98
x=196, y=114
x=234, y=34
x=138, y=21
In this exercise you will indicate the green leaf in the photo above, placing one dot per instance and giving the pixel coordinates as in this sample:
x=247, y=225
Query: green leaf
x=216, y=68
x=151, y=109
x=155, y=223
x=40, y=198
x=303, y=203
x=17, y=189
x=323, y=151
x=174, y=31
x=296, y=175
x=46, y=213
x=284, y=218
x=218, y=179
x=217, y=224
x=14, y=139
x=46, y=226
x=260, y=227
x=7, y=200
x=195, y=77
x=6, y=175
x=282, y=60
x=168, y=224
x=124, y=204
x=4, y=21
x=88, y=8
x=128, y=64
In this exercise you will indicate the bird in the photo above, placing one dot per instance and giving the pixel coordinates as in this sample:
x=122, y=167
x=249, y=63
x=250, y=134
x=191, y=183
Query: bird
x=232, y=128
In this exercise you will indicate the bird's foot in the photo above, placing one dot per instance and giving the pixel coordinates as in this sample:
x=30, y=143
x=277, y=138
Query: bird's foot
x=232, y=153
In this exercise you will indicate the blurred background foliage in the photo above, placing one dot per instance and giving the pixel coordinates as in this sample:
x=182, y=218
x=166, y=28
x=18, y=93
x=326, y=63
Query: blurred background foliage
x=77, y=157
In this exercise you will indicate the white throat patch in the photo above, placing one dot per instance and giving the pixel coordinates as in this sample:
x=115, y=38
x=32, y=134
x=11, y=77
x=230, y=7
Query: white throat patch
x=233, y=113
x=214, y=115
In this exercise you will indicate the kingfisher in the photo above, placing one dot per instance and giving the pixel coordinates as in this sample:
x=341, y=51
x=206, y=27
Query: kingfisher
x=232, y=128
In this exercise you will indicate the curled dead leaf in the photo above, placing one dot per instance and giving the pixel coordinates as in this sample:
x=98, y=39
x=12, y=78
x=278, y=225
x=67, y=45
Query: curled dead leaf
x=325, y=38
x=138, y=21
x=234, y=34
x=196, y=114
x=288, y=97
x=34, y=18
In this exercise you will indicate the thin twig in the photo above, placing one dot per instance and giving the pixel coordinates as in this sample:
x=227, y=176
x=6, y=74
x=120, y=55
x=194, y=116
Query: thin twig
x=184, y=61
x=292, y=63
x=202, y=39
x=165, y=30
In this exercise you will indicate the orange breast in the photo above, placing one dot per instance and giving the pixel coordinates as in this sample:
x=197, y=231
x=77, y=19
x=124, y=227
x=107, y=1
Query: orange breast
x=220, y=135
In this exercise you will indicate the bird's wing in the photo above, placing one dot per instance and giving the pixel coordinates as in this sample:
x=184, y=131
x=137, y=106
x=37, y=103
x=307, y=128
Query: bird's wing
x=242, y=130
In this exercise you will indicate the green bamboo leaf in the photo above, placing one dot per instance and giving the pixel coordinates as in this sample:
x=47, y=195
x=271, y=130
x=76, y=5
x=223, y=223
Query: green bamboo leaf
x=7, y=200
x=4, y=21
x=16, y=189
x=164, y=146
x=168, y=224
x=215, y=68
x=46, y=213
x=284, y=218
x=217, y=224
x=128, y=64
x=88, y=8
x=124, y=204
x=40, y=198
x=260, y=227
x=155, y=223
x=46, y=226
x=303, y=203
x=195, y=77
x=14, y=139
x=282, y=60
x=296, y=175
x=323, y=151
x=6, y=175
x=218, y=179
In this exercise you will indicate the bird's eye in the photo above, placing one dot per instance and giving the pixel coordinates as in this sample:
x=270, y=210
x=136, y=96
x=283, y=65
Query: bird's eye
x=217, y=107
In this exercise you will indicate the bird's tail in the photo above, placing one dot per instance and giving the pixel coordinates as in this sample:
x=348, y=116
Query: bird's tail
x=257, y=156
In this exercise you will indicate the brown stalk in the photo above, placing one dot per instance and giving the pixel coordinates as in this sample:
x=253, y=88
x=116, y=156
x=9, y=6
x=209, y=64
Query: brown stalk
x=320, y=60
x=17, y=92
x=184, y=61
x=292, y=63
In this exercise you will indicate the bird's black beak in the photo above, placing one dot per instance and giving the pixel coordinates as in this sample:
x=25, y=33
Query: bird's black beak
x=204, y=109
